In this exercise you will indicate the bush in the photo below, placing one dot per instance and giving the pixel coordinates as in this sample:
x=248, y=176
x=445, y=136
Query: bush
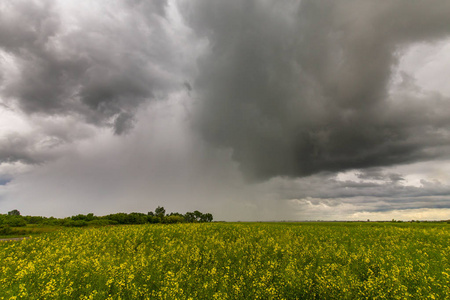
x=77, y=223
x=52, y=221
x=15, y=221
x=101, y=222
x=5, y=230
x=174, y=219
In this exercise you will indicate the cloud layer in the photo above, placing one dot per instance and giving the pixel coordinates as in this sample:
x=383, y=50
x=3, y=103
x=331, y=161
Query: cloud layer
x=97, y=61
x=293, y=88
x=287, y=94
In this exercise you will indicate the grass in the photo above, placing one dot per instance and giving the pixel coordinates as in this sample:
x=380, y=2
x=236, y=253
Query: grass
x=231, y=261
x=29, y=230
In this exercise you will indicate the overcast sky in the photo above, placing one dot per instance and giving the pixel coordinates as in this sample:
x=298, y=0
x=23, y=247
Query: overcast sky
x=249, y=110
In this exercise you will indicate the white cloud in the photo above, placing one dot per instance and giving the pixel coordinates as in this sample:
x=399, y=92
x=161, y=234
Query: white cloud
x=425, y=214
x=427, y=64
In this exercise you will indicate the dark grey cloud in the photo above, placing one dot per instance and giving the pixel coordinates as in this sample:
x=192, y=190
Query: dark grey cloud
x=99, y=65
x=32, y=148
x=330, y=188
x=300, y=87
x=378, y=174
x=15, y=148
x=373, y=190
x=49, y=138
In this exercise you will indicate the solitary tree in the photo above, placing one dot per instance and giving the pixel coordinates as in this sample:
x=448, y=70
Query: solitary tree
x=14, y=212
x=160, y=212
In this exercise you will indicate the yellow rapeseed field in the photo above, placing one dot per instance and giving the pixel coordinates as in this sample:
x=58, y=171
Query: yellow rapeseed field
x=231, y=261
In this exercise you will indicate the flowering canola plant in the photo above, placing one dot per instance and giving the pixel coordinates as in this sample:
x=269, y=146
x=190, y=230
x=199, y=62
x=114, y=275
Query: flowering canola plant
x=231, y=261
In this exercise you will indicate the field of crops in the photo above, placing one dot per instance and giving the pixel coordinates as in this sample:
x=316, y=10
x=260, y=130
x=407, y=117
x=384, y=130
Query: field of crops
x=231, y=261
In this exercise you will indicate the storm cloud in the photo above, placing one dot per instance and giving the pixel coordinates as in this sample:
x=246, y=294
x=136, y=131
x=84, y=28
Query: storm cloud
x=300, y=87
x=254, y=109
x=100, y=62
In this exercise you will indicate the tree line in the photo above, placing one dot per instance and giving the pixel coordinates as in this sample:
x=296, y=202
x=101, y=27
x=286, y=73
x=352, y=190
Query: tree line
x=15, y=219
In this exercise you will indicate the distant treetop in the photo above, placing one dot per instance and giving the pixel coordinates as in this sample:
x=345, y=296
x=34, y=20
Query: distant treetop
x=14, y=212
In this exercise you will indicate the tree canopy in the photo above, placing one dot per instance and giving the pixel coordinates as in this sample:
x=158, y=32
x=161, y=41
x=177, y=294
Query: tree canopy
x=15, y=219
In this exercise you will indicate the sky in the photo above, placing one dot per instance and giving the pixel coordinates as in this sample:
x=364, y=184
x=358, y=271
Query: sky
x=251, y=110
